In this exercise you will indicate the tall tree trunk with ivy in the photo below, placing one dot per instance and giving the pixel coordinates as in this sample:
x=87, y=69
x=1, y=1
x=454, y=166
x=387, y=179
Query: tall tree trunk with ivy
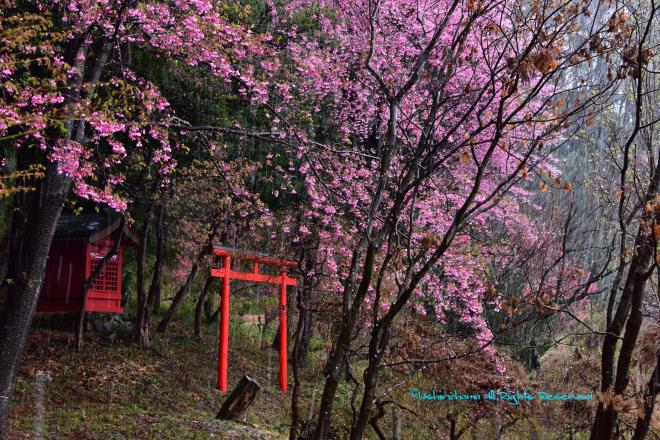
x=33, y=225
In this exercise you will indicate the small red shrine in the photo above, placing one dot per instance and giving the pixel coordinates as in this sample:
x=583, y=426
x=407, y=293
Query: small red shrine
x=79, y=244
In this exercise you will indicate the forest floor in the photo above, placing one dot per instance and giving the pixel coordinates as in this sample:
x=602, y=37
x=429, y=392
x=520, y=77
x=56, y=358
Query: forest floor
x=116, y=390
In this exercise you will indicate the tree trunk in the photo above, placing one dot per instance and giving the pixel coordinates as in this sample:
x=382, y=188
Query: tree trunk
x=307, y=319
x=88, y=283
x=452, y=427
x=183, y=291
x=142, y=329
x=296, y=364
x=33, y=227
x=213, y=317
x=396, y=424
x=642, y=426
x=628, y=313
x=30, y=251
x=336, y=359
x=200, y=305
x=178, y=299
x=332, y=374
x=8, y=151
x=26, y=271
x=146, y=303
x=352, y=305
x=632, y=297
x=275, y=345
x=301, y=341
x=153, y=300
x=208, y=310
x=304, y=313
x=377, y=346
x=239, y=400
x=380, y=413
x=295, y=394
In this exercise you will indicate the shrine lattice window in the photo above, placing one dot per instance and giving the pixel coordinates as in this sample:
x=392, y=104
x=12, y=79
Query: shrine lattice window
x=108, y=279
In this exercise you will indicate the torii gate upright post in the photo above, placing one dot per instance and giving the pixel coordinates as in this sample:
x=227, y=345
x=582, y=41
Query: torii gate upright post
x=227, y=274
x=283, y=334
x=224, y=325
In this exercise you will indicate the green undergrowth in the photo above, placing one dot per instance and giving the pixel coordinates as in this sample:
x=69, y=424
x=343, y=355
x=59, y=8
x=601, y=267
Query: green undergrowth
x=117, y=390
x=121, y=391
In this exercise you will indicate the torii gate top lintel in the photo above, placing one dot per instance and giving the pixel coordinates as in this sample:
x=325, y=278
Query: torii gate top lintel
x=260, y=257
x=227, y=274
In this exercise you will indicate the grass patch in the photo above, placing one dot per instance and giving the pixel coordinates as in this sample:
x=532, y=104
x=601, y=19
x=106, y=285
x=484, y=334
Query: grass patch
x=120, y=391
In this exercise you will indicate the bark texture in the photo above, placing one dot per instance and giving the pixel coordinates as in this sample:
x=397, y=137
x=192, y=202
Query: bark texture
x=187, y=285
x=628, y=318
x=653, y=388
x=200, y=305
x=301, y=342
x=26, y=271
x=142, y=329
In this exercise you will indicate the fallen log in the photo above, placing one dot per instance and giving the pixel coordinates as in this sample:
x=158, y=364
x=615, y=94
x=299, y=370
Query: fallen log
x=239, y=399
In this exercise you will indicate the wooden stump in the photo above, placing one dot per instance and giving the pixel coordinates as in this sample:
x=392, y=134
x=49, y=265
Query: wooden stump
x=239, y=399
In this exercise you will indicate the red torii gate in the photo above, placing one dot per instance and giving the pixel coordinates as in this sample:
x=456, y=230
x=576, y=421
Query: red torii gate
x=227, y=274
